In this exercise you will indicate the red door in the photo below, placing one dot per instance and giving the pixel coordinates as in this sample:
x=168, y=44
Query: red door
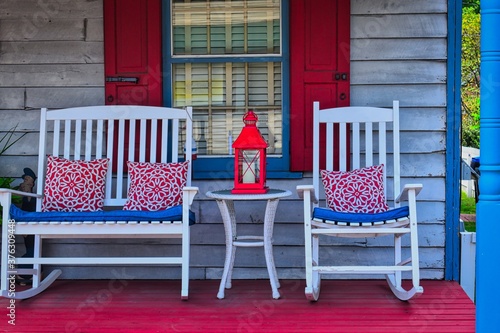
x=319, y=58
x=132, y=56
x=132, y=45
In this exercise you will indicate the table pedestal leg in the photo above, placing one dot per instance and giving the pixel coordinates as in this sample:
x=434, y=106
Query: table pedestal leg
x=226, y=208
x=268, y=245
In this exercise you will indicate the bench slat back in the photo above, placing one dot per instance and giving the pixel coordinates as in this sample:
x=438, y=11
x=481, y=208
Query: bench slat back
x=121, y=133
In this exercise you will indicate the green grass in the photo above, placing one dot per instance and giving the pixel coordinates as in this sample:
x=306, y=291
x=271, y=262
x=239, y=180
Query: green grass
x=468, y=206
x=470, y=226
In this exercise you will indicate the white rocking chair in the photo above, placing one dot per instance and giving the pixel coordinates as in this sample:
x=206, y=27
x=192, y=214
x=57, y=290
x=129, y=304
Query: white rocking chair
x=364, y=130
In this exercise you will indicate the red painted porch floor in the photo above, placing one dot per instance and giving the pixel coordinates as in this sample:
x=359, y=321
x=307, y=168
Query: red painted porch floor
x=155, y=306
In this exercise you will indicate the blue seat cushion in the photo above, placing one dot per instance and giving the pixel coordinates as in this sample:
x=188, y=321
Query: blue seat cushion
x=172, y=214
x=356, y=219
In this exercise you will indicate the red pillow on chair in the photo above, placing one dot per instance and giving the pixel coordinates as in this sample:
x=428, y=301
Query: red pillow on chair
x=356, y=191
x=74, y=186
x=155, y=186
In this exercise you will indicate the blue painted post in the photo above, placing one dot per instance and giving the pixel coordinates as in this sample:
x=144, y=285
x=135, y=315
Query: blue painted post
x=488, y=207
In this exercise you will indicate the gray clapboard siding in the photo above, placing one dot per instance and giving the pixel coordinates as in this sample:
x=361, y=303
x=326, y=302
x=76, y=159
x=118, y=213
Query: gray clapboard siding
x=399, y=26
x=26, y=146
x=423, y=119
x=12, y=166
x=61, y=29
x=12, y=98
x=423, y=142
x=40, y=11
x=420, y=165
x=52, y=75
x=94, y=31
x=26, y=120
x=430, y=210
x=52, y=52
x=64, y=97
x=417, y=71
x=398, y=49
x=360, y=7
x=414, y=95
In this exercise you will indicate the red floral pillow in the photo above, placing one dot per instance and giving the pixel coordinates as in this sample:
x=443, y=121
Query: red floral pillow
x=356, y=191
x=155, y=186
x=74, y=186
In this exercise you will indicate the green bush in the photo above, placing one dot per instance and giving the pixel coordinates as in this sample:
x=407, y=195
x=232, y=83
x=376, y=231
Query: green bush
x=5, y=182
x=470, y=137
x=471, y=65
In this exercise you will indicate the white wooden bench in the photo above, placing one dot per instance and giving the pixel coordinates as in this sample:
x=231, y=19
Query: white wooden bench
x=120, y=133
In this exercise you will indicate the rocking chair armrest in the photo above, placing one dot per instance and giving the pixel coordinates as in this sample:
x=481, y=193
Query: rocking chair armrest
x=307, y=188
x=189, y=193
x=406, y=190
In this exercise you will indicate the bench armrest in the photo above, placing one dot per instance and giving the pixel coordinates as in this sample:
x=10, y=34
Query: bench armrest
x=21, y=193
x=7, y=193
x=6, y=200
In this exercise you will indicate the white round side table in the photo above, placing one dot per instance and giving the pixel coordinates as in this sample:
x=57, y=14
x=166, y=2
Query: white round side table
x=225, y=200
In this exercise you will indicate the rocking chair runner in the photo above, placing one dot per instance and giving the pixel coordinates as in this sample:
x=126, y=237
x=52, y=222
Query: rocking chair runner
x=364, y=130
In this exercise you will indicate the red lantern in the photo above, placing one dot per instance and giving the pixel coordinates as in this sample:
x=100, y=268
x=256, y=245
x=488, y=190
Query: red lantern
x=250, y=159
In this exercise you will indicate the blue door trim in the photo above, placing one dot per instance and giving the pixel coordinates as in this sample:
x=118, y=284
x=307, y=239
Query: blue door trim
x=453, y=148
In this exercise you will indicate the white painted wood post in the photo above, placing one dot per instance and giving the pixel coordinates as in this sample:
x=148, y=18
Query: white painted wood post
x=468, y=263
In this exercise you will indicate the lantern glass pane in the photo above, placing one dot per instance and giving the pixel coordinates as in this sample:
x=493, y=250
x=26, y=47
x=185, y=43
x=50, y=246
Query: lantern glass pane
x=249, y=166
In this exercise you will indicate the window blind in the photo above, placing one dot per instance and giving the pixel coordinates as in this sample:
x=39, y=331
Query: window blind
x=236, y=38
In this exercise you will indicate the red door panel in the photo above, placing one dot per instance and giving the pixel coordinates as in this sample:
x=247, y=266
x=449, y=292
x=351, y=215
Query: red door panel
x=132, y=63
x=132, y=55
x=319, y=57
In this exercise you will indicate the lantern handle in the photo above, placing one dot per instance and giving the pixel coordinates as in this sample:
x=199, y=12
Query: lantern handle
x=250, y=118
